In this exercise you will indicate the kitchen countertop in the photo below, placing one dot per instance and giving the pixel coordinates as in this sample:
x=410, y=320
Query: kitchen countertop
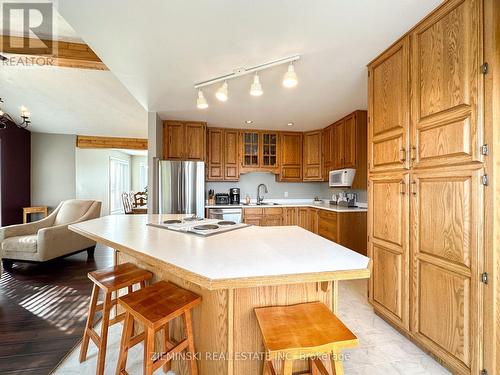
x=241, y=258
x=324, y=205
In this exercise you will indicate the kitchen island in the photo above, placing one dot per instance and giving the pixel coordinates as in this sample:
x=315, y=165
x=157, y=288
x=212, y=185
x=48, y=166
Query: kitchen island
x=234, y=272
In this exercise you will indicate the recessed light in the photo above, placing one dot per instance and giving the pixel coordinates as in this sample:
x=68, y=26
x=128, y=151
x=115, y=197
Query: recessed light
x=290, y=124
x=248, y=121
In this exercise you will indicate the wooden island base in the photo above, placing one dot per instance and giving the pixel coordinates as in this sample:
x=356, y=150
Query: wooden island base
x=227, y=337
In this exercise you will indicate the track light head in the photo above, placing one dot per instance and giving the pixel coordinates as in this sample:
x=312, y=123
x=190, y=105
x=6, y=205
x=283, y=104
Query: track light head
x=201, y=102
x=256, y=88
x=221, y=93
x=290, y=77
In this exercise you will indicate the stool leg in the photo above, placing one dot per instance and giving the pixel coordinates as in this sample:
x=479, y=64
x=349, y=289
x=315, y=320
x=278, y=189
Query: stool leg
x=166, y=338
x=268, y=368
x=336, y=359
x=128, y=326
x=149, y=347
x=287, y=367
x=101, y=357
x=143, y=284
x=90, y=323
x=130, y=289
x=188, y=324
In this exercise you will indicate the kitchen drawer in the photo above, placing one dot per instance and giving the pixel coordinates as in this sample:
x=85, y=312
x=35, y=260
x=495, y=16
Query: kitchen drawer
x=273, y=211
x=328, y=215
x=252, y=211
x=272, y=220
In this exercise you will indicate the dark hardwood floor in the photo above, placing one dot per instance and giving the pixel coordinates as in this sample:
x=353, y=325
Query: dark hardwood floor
x=43, y=308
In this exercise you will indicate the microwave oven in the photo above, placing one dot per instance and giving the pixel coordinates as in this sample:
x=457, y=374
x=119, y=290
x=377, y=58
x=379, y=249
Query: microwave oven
x=341, y=177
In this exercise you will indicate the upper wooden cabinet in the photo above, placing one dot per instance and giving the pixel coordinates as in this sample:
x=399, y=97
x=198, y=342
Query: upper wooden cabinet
x=260, y=151
x=348, y=142
x=327, y=139
x=184, y=140
x=291, y=156
x=312, y=163
x=446, y=86
x=222, y=156
x=389, y=121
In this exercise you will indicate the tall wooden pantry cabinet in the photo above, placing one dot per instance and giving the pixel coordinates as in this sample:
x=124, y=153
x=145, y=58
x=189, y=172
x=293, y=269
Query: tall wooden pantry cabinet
x=426, y=187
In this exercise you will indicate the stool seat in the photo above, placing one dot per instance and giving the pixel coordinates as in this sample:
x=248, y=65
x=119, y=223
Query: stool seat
x=159, y=303
x=121, y=276
x=307, y=330
x=308, y=326
x=154, y=307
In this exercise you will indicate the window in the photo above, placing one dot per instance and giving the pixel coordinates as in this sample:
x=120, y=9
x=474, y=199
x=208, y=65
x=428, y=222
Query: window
x=143, y=176
x=119, y=181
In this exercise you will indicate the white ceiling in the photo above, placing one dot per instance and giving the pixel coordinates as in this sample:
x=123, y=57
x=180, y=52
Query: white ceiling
x=72, y=101
x=158, y=49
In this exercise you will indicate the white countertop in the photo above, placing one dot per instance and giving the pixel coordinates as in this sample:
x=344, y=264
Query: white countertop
x=324, y=205
x=269, y=255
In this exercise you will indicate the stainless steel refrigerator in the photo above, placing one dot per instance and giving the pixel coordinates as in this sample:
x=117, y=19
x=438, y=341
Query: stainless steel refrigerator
x=182, y=187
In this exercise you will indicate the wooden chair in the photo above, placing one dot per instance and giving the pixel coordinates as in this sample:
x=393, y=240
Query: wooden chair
x=304, y=331
x=140, y=199
x=109, y=280
x=154, y=307
x=127, y=206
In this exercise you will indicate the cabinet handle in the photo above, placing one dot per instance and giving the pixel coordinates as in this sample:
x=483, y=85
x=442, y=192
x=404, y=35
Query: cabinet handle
x=402, y=187
x=402, y=155
x=413, y=186
x=413, y=153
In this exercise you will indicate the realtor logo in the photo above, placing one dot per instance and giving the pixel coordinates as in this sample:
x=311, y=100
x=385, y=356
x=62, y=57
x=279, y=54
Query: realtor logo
x=27, y=28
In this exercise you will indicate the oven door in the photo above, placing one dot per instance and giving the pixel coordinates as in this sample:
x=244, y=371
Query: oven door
x=231, y=214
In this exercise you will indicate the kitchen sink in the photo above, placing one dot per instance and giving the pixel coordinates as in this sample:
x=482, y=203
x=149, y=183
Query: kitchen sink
x=268, y=204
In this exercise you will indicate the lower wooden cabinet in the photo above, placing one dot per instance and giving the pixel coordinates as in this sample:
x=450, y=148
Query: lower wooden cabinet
x=388, y=246
x=289, y=215
x=436, y=266
x=327, y=225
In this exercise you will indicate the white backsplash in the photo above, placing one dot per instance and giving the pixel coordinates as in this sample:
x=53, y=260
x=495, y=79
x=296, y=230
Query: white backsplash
x=295, y=190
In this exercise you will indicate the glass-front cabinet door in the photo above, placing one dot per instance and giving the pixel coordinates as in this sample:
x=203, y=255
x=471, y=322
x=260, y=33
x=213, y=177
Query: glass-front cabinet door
x=251, y=149
x=269, y=150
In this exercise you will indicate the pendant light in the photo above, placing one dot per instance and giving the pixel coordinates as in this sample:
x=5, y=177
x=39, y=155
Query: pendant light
x=221, y=93
x=290, y=77
x=201, y=102
x=256, y=88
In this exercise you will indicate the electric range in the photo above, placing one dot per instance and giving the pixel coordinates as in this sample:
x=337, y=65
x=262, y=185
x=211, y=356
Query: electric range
x=199, y=226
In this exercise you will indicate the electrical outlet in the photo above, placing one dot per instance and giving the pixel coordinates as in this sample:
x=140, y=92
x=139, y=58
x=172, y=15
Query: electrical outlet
x=286, y=194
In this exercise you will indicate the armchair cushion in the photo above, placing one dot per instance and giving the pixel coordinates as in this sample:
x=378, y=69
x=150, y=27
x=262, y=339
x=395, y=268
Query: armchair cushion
x=72, y=210
x=25, y=244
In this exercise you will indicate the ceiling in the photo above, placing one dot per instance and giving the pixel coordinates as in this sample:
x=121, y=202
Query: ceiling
x=67, y=100
x=159, y=49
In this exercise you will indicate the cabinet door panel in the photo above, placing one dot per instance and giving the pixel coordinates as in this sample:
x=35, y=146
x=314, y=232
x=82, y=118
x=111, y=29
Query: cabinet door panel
x=173, y=147
x=388, y=223
x=215, y=154
x=350, y=135
x=290, y=215
x=339, y=149
x=231, y=159
x=388, y=91
x=195, y=141
x=445, y=62
x=446, y=255
x=312, y=156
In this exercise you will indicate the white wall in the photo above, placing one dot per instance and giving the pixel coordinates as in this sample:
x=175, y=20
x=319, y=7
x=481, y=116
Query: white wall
x=92, y=174
x=52, y=169
x=135, y=163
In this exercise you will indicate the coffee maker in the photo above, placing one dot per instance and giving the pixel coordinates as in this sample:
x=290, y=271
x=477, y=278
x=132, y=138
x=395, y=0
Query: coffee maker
x=234, y=196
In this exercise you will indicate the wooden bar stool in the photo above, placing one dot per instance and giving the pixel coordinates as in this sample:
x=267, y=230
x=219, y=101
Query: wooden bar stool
x=109, y=280
x=303, y=331
x=154, y=307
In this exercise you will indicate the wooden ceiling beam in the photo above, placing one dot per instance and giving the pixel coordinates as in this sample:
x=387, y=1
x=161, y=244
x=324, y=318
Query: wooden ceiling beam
x=83, y=141
x=31, y=51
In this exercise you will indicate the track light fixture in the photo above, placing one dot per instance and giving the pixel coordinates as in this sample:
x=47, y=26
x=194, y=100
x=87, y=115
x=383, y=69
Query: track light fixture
x=201, y=102
x=290, y=77
x=289, y=80
x=256, y=87
x=221, y=93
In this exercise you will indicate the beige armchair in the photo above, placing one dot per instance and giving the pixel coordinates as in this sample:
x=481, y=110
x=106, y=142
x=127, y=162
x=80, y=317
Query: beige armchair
x=50, y=237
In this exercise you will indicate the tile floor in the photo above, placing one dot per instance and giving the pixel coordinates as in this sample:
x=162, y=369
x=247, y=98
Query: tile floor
x=382, y=349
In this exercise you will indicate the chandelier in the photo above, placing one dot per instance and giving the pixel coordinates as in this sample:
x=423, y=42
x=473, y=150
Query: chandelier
x=5, y=118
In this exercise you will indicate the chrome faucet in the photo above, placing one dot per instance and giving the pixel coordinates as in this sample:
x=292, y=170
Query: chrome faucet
x=259, y=198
